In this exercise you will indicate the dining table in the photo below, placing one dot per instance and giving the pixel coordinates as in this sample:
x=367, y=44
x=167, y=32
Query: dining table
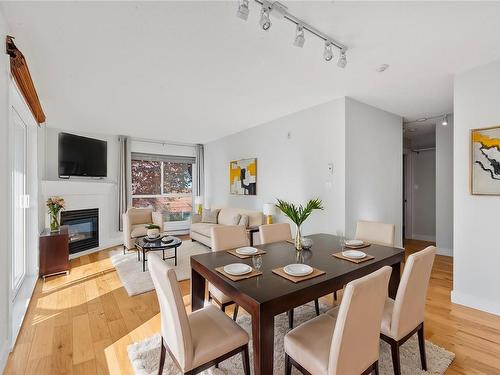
x=269, y=294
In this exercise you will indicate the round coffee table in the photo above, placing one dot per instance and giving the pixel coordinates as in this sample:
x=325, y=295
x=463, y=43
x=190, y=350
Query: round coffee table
x=143, y=245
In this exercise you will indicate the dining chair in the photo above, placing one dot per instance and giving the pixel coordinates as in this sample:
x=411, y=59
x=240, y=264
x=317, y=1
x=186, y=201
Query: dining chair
x=281, y=232
x=345, y=340
x=375, y=232
x=196, y=341
x=404, y=315
x=226, y=237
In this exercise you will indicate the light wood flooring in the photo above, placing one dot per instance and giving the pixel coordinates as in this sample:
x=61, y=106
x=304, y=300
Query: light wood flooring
x=83, y=323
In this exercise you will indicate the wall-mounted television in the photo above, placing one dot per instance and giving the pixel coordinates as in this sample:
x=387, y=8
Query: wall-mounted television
x=82, y=156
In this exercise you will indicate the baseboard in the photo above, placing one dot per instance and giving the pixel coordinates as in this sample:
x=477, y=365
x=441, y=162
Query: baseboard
x=444, y=251
x=423, y=237
x=4, y=355
x=477, y=303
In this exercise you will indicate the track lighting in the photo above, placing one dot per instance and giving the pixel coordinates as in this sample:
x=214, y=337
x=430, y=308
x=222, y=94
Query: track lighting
x=328, y=54
x=342, y=60
x=265, y=22
x=299, y=37
x=243, y=10
x=445, y=120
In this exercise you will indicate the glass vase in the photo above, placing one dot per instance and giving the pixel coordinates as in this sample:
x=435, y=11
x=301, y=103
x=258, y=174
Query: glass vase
x=54, y=221
x=298, y=238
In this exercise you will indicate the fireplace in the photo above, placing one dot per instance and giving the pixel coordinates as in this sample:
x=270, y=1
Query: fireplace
x=83, y=229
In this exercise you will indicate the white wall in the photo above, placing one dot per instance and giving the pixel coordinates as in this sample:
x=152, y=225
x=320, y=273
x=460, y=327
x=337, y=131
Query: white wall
x=293, y=168
x=374, y=167
x=476, y=250
x=444, y=188
x=4, y=205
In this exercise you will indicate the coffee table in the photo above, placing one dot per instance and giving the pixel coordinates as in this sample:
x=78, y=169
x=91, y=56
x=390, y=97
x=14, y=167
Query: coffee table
x=145, y=246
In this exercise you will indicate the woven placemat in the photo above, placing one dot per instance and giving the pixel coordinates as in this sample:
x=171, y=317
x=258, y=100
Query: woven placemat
x=357, y=261
x=297, y=279
x=241, y=277
x=233, y=252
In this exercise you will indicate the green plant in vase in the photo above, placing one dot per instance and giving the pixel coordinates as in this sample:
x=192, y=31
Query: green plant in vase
x=55, y=205
x=299, y=214
x=153, y=230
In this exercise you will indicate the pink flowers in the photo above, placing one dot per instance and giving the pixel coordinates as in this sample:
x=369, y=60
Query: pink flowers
x=55, y=204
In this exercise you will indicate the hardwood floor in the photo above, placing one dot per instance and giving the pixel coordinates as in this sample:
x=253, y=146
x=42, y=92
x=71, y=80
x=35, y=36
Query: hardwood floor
x=83, y=323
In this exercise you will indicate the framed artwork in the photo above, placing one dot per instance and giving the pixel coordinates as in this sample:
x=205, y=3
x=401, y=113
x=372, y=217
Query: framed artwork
x=243, y=177
x=485, y=161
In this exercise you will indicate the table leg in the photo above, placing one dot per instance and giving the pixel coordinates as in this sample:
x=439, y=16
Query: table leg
x=197, y=290
x=394, y=280
x=175, y=255
x=143, y=261
x=251, y=238
x=263, y=343
x=163, y=252
x=138, y=255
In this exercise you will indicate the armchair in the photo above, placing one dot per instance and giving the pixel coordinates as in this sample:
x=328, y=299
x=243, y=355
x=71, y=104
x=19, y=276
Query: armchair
x=134, y=224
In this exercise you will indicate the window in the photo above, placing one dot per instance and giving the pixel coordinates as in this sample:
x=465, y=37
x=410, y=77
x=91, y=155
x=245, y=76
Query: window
x=164, y=183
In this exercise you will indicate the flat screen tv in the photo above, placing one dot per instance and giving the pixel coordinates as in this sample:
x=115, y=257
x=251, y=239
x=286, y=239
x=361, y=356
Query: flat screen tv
x=82, y=156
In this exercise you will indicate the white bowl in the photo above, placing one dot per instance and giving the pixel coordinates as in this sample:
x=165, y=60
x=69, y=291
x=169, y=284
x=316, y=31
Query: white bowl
x=298, y=269
x=353, y=254
x=247, y=250
x=237, y=269
x=354, y=243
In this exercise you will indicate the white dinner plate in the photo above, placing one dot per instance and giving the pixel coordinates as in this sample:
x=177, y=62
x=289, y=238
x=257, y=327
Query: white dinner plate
x=237, y=269
x=354, y=243
x=298, y=269
x=247, y=250
x=353, y=254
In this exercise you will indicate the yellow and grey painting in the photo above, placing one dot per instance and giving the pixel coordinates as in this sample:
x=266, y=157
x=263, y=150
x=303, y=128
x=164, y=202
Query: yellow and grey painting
x=485, y=169
x=243, y=177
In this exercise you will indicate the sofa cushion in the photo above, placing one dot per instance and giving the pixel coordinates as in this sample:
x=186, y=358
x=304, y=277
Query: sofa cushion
x=227, y=214
x=138, y=230
x=244, y=220
x=203, y=228
x=210, y=216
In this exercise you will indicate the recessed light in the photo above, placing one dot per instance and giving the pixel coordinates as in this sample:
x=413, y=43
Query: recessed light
x=382, y=68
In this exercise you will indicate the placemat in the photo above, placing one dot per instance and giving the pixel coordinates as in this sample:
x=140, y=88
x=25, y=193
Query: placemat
x=241, y=277
x=233, y=252
x=297, y=279
x=354, y=247
x=357, y=261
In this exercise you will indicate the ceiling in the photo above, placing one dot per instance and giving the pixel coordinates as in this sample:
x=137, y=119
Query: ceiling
x=193, y=71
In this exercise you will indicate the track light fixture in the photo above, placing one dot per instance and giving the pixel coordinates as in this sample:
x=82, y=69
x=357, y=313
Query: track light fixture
x=265, y=21
x=342, y=60
x=445, y=120
x=243, y=10
x=299, y=37
x=328, y=54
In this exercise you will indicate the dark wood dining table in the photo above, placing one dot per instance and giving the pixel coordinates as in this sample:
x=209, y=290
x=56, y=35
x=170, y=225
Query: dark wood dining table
x=268, y=295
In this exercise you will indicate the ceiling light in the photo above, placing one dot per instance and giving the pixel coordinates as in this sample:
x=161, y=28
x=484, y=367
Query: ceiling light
x=243, y=10
x=342, y=60
x=328, y=54
x=445, y=120
x=382, y=68
x=265, y=22
x=299, y=37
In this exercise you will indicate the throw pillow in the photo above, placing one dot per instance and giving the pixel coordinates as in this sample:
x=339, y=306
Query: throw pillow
x=236, y=219
x=244, y=220
x=209, y=216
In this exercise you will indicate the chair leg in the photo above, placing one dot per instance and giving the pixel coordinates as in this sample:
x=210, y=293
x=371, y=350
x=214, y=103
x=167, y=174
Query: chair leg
x=217, y=365
x=162, y=357
x=235, y=312
x=375, y=368
x=124, y=249
x=421, y=345
x=316, y=306
x=290, y=318
x=335, y=295
x=223, y=308
x=288, y=365
x=395, y=358
x=246, y=360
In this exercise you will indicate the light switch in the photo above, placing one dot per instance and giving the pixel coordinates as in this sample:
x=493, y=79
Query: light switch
x=330, y=168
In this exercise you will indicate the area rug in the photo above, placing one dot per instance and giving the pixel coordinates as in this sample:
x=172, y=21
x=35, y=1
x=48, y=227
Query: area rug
x=135, y=281
x=145, y=355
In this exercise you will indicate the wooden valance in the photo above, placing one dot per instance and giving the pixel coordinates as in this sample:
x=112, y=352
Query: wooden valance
x=21, y=73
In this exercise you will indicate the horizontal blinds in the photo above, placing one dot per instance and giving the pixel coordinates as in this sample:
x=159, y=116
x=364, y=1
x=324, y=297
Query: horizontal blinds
x=164, y=158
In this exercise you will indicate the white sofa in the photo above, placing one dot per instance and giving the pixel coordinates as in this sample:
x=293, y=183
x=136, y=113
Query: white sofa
x=134, y=224
x=201, y=231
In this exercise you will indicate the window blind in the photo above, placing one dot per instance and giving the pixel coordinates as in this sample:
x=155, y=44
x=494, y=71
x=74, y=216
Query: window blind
x=164, y=158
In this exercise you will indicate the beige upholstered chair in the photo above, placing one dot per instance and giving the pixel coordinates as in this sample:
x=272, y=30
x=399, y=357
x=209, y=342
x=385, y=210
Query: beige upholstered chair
x=375, y=232
x=134, y=224
x=344, y=341
x=225, y=237
x=405, y=315
x=270, y=233
x=196, y=341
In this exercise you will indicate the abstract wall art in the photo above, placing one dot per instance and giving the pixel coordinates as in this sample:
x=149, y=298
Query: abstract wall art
x=243, y=177
x=485, y=161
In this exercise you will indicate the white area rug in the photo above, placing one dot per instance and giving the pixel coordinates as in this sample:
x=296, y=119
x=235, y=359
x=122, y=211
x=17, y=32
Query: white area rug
x=135, y=281
x=145, y=355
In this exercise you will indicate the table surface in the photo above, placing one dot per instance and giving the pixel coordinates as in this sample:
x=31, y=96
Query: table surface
x=269, y=286
x=158, y=244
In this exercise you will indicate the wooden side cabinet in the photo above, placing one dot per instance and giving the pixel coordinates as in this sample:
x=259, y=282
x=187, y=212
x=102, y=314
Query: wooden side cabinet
x=54, y=252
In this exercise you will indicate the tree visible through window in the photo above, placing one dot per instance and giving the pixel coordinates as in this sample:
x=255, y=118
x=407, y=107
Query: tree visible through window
x=164, y=186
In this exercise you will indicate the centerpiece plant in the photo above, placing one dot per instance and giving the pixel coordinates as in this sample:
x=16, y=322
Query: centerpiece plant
x=55, y=205
x=298, y=215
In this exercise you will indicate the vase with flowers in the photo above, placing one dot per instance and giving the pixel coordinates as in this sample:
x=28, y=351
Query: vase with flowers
x=299, y=214
x=55, y=205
